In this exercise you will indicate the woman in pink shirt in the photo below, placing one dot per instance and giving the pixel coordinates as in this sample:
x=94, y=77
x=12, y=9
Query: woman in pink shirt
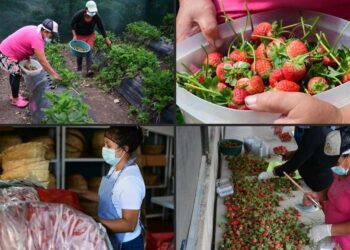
x=336, y=206
x=21, y=45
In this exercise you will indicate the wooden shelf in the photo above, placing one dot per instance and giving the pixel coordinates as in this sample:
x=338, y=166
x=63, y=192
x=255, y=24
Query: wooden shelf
x=153, y=160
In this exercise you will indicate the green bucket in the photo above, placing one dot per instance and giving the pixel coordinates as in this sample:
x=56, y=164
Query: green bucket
x=230, y=147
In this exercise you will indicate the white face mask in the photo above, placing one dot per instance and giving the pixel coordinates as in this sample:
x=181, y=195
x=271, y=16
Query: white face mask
x=48, y=40
x=109, y=156
x=340, y=170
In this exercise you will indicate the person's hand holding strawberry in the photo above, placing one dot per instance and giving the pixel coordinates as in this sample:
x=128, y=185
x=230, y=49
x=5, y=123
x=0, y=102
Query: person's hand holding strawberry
x=196, y=16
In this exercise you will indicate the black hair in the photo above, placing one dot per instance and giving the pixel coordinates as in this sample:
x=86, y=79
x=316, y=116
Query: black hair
x=130, y=136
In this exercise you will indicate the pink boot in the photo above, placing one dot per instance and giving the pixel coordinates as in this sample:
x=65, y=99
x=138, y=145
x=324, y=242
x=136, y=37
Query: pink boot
x=19, y=102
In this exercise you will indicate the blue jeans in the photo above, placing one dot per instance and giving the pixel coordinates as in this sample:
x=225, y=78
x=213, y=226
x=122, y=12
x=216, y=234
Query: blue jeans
x=135, y=244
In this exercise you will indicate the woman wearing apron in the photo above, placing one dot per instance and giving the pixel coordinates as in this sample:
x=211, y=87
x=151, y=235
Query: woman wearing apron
x=122, y=190
x=336, y=206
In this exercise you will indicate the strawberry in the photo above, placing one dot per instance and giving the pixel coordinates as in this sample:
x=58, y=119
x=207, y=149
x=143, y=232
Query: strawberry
x=222, y=86
x=275, y=76
x=317, y=85
x=260, y=51
x=213, y=59
x=262, y=29
x=242, y=83
x=275, y=44
x=255, y=85
x=262, y=67
x=294, y=71
x=220, y=72
x=233, y=105
x=328, y=61
x=346, y=77
x=240, y=56
x=295, y=48
x=287, y=86
x=239, y=95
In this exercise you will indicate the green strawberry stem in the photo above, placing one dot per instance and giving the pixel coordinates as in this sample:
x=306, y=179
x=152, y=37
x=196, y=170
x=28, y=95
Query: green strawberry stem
x=253, y=52
x=187, y=68
x=313, y=26
x=339, y=37
x=228, y=20
x=328, y=51
x=249, y=16
x=203, y=89
x=302, y=24
x=206, y=64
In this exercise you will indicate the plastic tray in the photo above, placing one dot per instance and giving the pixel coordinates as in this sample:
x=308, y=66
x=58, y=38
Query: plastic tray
x=197, y=110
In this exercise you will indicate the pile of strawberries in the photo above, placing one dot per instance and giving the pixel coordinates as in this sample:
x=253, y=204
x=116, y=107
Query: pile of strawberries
x=270, y=61
x=280, y=150
x=252, y=218
x=285, y=137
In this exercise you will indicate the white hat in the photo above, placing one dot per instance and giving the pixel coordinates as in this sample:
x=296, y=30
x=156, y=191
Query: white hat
x=50, y=26
x=91, y=7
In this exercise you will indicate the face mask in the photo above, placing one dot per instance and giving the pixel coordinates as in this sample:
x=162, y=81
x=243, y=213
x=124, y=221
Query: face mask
x=48, y=40
x=339, y=170
x=109, y=157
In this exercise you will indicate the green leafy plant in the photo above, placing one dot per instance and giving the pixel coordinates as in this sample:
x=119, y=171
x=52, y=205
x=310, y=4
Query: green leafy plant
x=126, y=61
x=168, y=26
x=142, y=31
x=66, y=108
x=100, y=44
x=56, y=59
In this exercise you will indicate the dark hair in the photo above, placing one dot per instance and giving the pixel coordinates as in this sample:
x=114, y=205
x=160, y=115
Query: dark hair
x=130, y=136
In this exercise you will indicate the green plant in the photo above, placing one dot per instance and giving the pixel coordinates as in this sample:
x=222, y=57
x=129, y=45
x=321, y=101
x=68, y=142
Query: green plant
x=54, y=56
x=143, y=31
x=168, y=26
x=126, y=61
x=100, y=44
x=66, y=108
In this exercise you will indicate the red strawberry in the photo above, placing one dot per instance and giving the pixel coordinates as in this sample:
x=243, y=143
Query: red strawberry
x=317, y=85
x=275, y=43
x=213, y=59
x=293, y=71
x=262, y=29
x=260, y=51
x=287, y=86
x=242, y=83
x=220, y=71
x=222, y=86
x=239, y=95
x=346, y=77
x=255, y=85
x=275, y=76
x=240, y=56
x=201, y=78
x=262, y=67
x=233, y=105
x=295, y=48
x=328, y=61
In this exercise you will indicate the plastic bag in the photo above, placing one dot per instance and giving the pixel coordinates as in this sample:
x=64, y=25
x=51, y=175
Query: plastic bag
x=59, y=196
x=18, y=194
x=37, y=225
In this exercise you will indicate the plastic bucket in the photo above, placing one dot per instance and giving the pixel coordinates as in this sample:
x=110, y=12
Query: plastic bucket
x=197, y=110
x=79, y=48
x=230, y=150
x=32, y=62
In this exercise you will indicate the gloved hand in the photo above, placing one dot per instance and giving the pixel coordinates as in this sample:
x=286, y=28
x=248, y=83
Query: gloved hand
x=265, y=175
x=320, y=232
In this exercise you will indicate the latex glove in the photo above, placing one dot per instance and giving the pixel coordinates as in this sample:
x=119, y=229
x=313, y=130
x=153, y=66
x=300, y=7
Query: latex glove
x=265, y=175
x=320, y=232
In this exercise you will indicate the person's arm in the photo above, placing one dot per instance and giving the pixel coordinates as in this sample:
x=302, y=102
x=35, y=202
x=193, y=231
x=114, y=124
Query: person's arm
x=298, y=108
x=127, y=223
x=341, y=229
x=308, y=144
x=102, y=30
x=86, y=194
x=73, y=24
x=196, y=16
x=46, y=65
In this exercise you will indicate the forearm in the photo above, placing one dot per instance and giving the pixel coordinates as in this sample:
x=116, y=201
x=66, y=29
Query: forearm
x=46, y=65
x=341, y=229
x=118, y=225
x=74, y=33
